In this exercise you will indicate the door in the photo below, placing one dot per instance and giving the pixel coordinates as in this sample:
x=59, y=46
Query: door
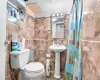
x=2, y=38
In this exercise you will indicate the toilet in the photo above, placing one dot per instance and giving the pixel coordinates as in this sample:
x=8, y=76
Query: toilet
x=28, y=71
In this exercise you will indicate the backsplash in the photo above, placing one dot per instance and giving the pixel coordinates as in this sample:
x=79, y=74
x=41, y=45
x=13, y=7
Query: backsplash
x=37, y=36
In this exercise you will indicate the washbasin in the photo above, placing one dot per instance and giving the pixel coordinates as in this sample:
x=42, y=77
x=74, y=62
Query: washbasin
x=57, y=48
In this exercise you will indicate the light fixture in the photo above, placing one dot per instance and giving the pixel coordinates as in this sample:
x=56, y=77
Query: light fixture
x=53, y=15
x=61, y=14
x=54, y=19
x=57, y=14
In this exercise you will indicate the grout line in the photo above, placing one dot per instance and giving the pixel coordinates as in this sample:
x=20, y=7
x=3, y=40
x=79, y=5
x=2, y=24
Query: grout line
x=90, y=41
x=41, y=39
x=10, y=74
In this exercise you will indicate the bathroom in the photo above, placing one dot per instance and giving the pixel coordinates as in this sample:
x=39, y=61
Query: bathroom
x=35, y=28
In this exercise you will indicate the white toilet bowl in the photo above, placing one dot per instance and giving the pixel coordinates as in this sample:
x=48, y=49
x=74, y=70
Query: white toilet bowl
x=28, y=71
x=32, y=71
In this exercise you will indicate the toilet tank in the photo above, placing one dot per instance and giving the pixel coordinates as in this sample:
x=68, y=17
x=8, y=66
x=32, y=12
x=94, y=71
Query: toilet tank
x=20, y=58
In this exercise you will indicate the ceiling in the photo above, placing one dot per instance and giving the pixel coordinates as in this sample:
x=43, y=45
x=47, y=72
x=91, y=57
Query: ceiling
x=88, y=4
x=34, y=7
x=47, y=7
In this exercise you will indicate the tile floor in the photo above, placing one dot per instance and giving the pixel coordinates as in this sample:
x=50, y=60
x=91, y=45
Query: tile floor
x=52, y=77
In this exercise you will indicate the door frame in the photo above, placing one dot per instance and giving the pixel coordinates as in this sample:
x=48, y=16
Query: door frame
x=2, y=38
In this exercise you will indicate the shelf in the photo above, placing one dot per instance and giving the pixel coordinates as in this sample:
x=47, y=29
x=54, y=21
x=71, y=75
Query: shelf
x=11, y=19
x=19, y=4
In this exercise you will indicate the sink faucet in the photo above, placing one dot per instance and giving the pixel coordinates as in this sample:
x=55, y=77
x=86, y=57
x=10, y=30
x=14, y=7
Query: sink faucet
x=57, y=42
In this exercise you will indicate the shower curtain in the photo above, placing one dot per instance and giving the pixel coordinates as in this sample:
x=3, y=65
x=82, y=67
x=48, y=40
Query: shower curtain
x=73, y=65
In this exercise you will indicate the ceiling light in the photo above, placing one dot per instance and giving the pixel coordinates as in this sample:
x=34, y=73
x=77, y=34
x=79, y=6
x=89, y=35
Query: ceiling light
x=53, y=15
x=62, y=14
x=57, y=14
x=54, y=19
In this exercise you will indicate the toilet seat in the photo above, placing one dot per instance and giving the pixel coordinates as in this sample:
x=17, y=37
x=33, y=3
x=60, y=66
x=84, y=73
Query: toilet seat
x=34, y=67
x=33, y=70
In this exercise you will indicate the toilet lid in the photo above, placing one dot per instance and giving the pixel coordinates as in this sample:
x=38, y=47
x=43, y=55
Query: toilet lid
x=34, y=67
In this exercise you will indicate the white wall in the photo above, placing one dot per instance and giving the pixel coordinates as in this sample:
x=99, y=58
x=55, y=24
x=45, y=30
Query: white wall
x=2, y=38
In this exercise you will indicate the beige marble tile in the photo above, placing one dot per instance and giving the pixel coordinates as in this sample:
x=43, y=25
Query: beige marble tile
x=91, y=22
x=66, y=21
x=35, y=31
x=91, y=60
x=52, y=65
x=63, y=60
x=52, y=77
x=66, y=34
x=43, y=53
x=52, y=54
x=37, y=54
x=29, y=44
x=36, y=44
x=50, y=42
x=8, y=78
x=49, y=35
x=13, y=76
x=23, y=29
x=91, y=31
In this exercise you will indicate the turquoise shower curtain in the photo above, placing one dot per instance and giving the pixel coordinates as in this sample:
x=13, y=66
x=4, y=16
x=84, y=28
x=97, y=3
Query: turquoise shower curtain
x=73, y=65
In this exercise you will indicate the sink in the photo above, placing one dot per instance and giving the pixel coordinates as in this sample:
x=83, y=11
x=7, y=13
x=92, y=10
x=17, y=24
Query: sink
x=57, y=49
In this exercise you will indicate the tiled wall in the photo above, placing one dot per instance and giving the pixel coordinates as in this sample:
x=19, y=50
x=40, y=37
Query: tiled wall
x=37, y=36
x=43, y=40
x=23, y=29
x=91, y=42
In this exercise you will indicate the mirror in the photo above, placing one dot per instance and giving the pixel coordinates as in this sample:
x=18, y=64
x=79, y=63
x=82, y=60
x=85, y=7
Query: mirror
x=58, y=25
